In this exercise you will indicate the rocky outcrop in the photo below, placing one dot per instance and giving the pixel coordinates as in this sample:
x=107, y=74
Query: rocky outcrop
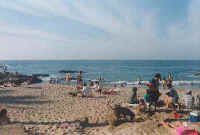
x=40, y=75
x=197, y=74
x=17, y=78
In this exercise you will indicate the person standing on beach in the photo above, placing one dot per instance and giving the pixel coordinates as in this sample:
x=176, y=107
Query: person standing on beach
x=91, y=83
x=139, y=81
x=68, y=78
x=100, y=87
x=152, y=95
x=164, y=83
x=170, y=79
x=156, y=82
x=79, y=78
x=5, y=68
x=155, y=85
x=100, y=84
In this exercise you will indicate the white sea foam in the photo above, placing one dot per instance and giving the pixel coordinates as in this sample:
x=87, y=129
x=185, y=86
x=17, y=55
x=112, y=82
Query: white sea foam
x=46, y=79
x=195, y=82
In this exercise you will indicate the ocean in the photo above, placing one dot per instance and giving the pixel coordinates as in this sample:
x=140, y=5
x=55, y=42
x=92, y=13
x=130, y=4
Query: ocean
x=114, y=71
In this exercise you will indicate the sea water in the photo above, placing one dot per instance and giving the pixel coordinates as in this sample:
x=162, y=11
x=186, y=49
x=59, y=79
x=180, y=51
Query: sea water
x=114, y=70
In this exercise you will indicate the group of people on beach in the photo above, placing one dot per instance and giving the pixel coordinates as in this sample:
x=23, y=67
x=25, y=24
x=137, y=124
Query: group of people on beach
x=92, y=86
x=172, y=98
x=152, y=93
x=168, y=82
x=165, y=82
x=86, y=87
x=79, y=78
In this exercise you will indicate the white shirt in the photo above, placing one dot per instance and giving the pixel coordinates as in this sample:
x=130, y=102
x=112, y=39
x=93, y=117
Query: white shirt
x=86, y=91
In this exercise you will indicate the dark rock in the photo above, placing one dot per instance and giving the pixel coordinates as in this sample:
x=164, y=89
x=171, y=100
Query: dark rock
x=40, y=75
x=17, y=78
x=35, y=79
x=197, y=74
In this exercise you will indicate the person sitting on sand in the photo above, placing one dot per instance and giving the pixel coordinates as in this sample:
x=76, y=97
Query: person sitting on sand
x=134, y=98
x=96, y=85
x=174, y=94
x=86, y=90
x=142, y=106
x=179, y=129
x=169, y=101
x=172, y=97
x=77, y=87
x=91, y=84
x=3, y=117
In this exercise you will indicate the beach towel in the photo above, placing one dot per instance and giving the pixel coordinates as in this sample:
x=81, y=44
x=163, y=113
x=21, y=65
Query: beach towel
x=185, y=131
x=177, y=116
x=65, y=126
x=110, y=92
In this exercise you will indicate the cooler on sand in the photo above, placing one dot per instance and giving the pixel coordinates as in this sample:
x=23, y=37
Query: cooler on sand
x=194, y=117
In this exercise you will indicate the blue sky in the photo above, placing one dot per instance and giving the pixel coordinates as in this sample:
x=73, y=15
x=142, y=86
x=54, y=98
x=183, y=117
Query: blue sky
x=99, y=29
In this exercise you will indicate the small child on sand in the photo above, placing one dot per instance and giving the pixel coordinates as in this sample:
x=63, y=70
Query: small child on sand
x=134, y=98
x=3, y=117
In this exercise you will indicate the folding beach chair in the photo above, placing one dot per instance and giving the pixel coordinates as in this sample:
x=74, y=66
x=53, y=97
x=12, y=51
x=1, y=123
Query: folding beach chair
x=189, y=106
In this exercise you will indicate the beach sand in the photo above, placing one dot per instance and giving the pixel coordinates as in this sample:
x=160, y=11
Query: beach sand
x=49, y=110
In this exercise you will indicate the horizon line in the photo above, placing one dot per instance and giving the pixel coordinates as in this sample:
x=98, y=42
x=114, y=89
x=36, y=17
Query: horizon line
x=99, y=59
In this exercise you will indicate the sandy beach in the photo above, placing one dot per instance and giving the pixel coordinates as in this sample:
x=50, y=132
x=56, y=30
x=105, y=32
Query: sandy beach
x=49, y=110
x=99, y=67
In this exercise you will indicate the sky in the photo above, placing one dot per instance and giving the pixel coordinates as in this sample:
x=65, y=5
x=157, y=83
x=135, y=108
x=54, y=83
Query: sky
x=99, y=29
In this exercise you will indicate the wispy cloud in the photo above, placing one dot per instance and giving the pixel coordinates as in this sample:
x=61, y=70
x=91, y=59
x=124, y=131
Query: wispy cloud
x=130, y=29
